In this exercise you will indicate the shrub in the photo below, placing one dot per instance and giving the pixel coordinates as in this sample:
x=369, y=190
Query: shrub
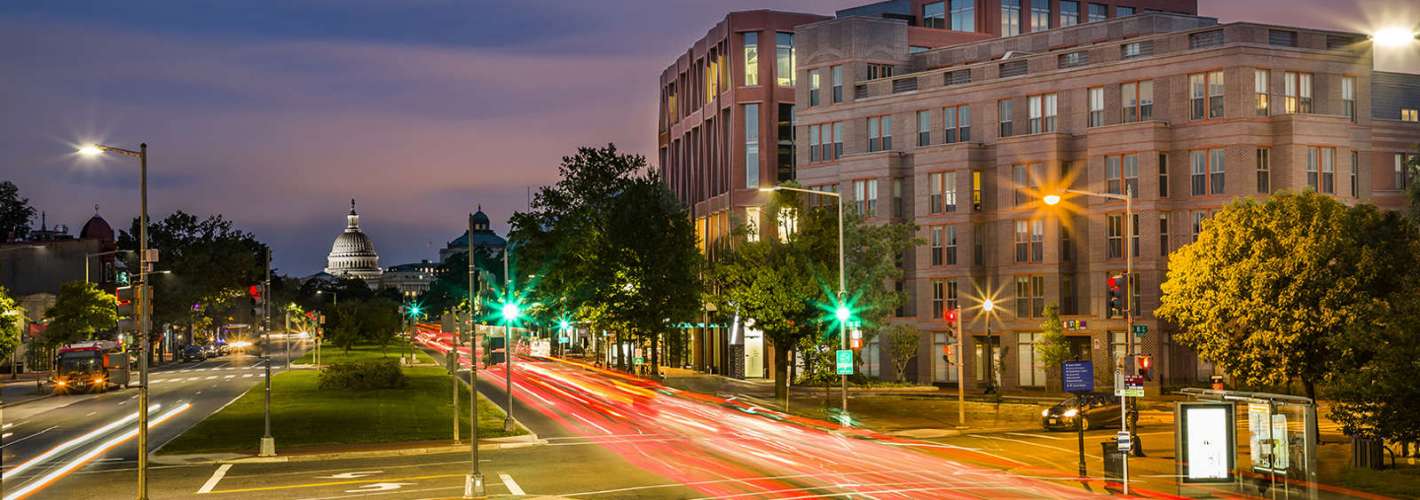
x=363, y=375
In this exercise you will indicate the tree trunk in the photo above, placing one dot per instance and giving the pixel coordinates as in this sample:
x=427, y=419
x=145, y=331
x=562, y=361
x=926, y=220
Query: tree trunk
x=781, y=373
x=655, y=354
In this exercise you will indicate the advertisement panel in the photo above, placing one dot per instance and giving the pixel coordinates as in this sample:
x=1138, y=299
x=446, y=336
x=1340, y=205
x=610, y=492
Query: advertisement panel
x=1206, y=439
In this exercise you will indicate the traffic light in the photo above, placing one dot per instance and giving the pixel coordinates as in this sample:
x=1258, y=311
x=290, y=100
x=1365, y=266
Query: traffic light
x=947, y=354
x=950, y=316
x=126, y=304
x=1146, y=365
x=855, y=339
x=1112, y=296
x=493, y=350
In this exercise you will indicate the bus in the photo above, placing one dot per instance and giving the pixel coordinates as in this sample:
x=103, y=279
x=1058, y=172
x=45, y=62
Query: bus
x=94, y=366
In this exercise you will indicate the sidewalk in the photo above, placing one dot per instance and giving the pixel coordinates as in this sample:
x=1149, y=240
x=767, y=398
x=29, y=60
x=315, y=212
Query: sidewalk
x=24, y=390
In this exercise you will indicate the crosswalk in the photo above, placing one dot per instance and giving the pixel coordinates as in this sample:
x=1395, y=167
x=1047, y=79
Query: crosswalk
x=224, y=373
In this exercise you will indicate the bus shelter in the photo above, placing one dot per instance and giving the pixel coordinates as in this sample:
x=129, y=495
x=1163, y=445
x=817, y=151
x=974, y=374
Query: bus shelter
x=1279, y=460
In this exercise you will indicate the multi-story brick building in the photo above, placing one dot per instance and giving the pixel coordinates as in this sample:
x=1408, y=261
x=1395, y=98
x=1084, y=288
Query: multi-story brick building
x=1186, y=113
x=727, y=109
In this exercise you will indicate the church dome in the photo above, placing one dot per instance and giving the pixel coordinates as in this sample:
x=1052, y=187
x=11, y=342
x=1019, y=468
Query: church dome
x=353, y=254
x=96, y=229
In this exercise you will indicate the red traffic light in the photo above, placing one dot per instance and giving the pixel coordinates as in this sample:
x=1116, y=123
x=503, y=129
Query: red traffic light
x=951, y=316
x=1113, y=282
x=254, y=291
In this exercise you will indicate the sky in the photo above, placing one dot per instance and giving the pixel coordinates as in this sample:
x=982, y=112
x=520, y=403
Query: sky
x=276, y=113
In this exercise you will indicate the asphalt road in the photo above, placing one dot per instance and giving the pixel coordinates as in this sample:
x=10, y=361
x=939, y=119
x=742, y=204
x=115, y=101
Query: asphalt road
x=50, y=442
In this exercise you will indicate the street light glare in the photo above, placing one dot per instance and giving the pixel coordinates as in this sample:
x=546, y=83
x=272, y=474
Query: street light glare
x=842, y=313
x=510, y=311
x=987, y=305
x=1051, y=199
x=90, y=150
x=1393, y=37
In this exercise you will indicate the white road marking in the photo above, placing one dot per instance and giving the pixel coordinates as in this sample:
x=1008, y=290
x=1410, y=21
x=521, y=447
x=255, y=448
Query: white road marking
x=216, y=478
x=246, y=375
x=1042, y=436
x=591, y=423
x=511, y=484
x=213, y=377
x=228, y=377
x=351, y=475
x=7, y=434
x=6, y=426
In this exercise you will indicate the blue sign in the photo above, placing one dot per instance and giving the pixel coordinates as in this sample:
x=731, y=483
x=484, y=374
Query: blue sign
x=844, y=362
x=1079, y=376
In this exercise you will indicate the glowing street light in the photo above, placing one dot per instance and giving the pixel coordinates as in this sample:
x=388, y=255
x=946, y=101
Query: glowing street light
x=1393, y=36
x=842, y=313
x=511, y=312
x=1051, y=199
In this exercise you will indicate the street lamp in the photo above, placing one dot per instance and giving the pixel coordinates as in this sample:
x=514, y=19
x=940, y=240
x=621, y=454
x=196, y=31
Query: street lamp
x=987, y=306
x=842, y=289
x=511, y=312
x=94, y=150
x=473, y=482
x=1393, y=36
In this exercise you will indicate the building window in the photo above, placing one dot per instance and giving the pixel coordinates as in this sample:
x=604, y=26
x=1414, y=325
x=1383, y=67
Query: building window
x=1037, y=240
x=1206, y=95
x=1138, y=99
x=1136, y=49
x=837, y=140
x=1022, y=296
x=952, y=302
x=1021, y=179
x=1069, y=13
x=1112, y=175
x=1022, y=240
x=1010, y=17
x=1348, y=96
x=1264, y=170
x=1039, y=15
x=751, y=112
x=1122, y=174
x=957, y=122
x=1260, y=79
x=1215, y=94
x=1032, y=370
x=814, y=143
x=898, y=210
x=1122, y=11
x=1003, y=114
x=836, y=74
x=751, y=45
x=948, y=190
x=1355, y=174
x=924, y=128
x=1114, y=226
x=1134, y=235
x=876, y=71
x=1197, y=89
x=1163, y=175
x=938, y=240
x=1163, y=233
x=978, y=244
x=976, y=188
x=1073, y=59
x=951, y=245
x=1297, y=92
x=1068, y=304
x=752, y=216
x=1409, y=115
x=1198, y=217
x=1402, y=170
x=879, y=133
x=784, y=59
x=865, y=195
x=1098, y=12
x=963, y=15
x=1096, y=107
x=1325, y=158
x=1042, y=113
x=938, y=294
x=1215, y=170
x=1037, y=296
x=1199, y=163
x=934, y=15
x=814, y=88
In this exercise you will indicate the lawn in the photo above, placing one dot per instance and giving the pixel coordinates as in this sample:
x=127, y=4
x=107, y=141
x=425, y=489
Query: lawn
x=303, y=416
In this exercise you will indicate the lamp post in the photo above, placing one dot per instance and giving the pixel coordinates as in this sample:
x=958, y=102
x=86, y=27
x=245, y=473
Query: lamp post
x=842, y=289
x=473, y=484
x=334, y=301
x=143, y=310
x=511, y=312
x=987, y=306
x=88, y=256
x=268, y=443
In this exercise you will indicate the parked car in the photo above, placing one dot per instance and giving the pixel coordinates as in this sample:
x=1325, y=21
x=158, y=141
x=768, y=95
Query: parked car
x=211, y=351
x=1093, y=409
x=192, y=353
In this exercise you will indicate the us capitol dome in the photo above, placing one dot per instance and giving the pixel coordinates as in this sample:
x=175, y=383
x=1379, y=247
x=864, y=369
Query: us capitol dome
x=352, y=254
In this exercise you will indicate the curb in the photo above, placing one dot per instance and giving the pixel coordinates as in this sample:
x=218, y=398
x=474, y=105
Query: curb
x=12, y=404
x=512, y=442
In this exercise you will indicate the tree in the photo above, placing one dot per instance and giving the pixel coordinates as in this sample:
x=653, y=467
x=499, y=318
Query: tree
x=1052, y=348
x=11, y=321
x=1412, y=190
x=902, y=339
x=15, y=213
x=80, y=312
x=379, y=321
x=1277, y=290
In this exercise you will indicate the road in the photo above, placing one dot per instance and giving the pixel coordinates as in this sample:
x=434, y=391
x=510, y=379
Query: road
x=47, y=441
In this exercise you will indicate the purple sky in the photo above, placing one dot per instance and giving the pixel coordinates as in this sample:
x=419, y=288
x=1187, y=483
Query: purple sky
x=276, y=115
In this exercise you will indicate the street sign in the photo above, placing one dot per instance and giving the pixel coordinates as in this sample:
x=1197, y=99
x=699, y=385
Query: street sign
x=1134, y=386
x=1079, y=376
x=1141, y=330
x=1122, y=438
x=845, y=362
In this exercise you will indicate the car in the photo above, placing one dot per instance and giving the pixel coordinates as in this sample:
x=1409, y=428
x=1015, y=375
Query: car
x=192, y=353
x=211, y=351
x=1094, y=410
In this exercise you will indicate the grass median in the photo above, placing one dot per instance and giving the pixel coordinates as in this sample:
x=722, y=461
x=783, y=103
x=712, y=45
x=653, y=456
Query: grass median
x=304, y=417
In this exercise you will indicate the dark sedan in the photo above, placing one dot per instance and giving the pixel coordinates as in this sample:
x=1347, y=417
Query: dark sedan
x=1095, y=410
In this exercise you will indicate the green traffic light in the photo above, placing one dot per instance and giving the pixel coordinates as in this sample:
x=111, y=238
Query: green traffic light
x=564, y=324
x=511, y=311
x=843, y=314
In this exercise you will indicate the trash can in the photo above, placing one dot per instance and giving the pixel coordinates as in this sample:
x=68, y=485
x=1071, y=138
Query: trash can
x=1113, y=461
x=1367, y=453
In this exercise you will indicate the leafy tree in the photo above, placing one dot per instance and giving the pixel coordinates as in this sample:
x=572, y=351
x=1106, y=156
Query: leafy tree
x=380, y=321
x=1278, y=290
x=902, y=339
x=80, y=312
x=11, y=321
x=15, y=213
x=450, y=286
x=1052, y=348
x=1412, y=190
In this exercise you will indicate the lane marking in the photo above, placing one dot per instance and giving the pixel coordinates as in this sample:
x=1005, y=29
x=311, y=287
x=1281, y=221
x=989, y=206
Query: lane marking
x=1042, y=436
x=591, y=423
x=216, y=478
x=91, y=435
x=511, y=484
x=212, y=377
x=8, y=434
x=333, y=483
x=56, y=474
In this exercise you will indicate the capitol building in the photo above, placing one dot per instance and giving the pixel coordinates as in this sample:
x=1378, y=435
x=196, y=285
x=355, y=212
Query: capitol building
x=353, y=255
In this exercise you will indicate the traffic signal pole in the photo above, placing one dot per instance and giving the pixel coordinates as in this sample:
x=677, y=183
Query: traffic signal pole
x=473, y=484
x=1129, y=324
x=142, y=323
x=961, y=374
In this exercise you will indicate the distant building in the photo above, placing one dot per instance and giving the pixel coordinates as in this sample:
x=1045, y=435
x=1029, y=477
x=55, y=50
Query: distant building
x=52, y=257
x=353, y=254
x=483, y=239
x=411, y=280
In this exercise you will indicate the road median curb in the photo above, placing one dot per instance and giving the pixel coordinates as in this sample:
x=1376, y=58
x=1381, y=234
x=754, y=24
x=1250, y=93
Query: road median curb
x=505, y=443
x=12, y=404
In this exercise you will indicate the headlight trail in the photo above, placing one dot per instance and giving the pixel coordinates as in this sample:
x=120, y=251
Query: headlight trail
x=65, y=446
x=89, y=456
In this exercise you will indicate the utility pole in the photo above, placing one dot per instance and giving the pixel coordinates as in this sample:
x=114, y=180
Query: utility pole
x=473, y=484
x=507, y=338
x=961, y=372
x=143, y=322
x=268, y=443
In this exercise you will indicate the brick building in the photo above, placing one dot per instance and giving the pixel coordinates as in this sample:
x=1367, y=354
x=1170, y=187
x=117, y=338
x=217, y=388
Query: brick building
x=1188, y=113
x=727, y=111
